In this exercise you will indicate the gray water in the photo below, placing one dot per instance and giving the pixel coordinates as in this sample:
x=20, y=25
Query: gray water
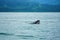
x=16, y=26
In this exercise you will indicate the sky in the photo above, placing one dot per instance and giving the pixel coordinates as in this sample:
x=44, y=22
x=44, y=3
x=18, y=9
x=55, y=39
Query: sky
x=52, y=2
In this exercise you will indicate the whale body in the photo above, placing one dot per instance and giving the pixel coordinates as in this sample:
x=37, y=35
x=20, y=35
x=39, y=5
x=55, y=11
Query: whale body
x=36, y=22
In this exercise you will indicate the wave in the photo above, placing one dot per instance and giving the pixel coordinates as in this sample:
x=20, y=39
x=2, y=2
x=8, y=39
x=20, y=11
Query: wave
x=22, y=36
x=25, y=35
x=5, y=34
x=16, y=35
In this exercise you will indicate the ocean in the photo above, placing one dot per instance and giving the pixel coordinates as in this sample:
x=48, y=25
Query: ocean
x=17, y=26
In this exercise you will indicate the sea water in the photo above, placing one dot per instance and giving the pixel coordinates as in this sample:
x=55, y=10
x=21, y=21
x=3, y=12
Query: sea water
x=16, y=26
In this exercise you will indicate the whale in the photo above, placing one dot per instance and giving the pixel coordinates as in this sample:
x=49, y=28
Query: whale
x=36, y=22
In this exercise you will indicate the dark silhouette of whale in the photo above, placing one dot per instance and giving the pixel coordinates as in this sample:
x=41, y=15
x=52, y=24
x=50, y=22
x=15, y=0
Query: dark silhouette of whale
x=36, y=22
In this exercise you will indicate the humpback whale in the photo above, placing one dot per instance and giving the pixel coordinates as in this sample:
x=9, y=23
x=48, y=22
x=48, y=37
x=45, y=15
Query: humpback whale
x=36, y=22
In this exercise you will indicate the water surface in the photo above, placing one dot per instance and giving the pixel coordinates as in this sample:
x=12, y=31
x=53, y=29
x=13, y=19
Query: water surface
x=16, y=26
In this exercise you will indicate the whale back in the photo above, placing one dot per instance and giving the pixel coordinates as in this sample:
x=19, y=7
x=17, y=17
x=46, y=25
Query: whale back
x=36, y=22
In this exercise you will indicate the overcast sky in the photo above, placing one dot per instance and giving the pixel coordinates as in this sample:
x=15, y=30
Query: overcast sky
x=52, y=2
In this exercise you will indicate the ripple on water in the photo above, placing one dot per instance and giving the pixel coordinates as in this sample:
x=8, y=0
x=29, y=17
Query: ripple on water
x=7, y=34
